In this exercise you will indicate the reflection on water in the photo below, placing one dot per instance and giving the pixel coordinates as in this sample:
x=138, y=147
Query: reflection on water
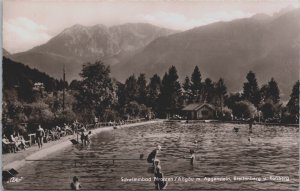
x=220, y=152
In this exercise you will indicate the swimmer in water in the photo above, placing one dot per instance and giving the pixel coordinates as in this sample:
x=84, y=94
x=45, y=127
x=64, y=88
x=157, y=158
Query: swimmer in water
x=156, y=165
x=236, y=129
x=75, y=185
x=160, y=183
x=152, y=156
x=192, y=157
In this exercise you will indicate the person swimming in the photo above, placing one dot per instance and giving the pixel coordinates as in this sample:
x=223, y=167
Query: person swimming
x=75, y=185
x=236, y=129
x=152, y=156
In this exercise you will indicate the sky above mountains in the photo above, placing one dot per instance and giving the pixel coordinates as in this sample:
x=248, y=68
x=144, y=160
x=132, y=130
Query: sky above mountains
x=28, y=23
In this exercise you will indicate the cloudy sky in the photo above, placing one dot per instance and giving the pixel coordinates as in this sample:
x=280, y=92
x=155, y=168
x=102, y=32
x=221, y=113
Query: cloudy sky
x=28, y=23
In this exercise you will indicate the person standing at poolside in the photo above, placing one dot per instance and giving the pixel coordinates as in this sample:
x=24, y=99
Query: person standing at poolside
x=251, y=121
x=82, y=138
x=87, y=138
x=40, y=133
x=75, y=185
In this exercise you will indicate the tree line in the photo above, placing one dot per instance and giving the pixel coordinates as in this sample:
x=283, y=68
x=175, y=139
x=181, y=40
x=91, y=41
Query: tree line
x=99, y=95
x=157, y=97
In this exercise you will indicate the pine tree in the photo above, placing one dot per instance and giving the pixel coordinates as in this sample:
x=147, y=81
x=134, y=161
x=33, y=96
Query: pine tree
x=170, y=98
x=131, y=89
x=251, y=90
x=154, y=89
x=273, y=91
x=196, y=85
x=220, y=90
x=121, y=95
x=293, y=104
x=142, y=89
x=187, y=94
x=208, y=90
x=270, y=92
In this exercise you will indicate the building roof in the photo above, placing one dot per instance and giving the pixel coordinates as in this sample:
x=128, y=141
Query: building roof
x=191, y=107
x=197, y=106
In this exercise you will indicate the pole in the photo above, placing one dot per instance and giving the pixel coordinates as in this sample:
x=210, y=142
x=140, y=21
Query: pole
x=64, y=80
x=77, y=131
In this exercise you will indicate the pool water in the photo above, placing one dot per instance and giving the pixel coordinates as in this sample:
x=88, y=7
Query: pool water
x=220, y=153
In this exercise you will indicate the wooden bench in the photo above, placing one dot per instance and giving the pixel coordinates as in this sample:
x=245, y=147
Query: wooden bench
x=31, y=138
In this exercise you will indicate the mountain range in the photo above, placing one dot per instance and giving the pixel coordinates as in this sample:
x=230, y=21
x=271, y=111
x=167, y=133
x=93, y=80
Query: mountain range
x=267, y=45
x=80, y=44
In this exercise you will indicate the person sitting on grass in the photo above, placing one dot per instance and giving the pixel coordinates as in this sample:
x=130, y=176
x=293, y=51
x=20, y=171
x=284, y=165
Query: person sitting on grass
x=22, y=141
x=75, y=185
x=15, y=141
x=11, y=147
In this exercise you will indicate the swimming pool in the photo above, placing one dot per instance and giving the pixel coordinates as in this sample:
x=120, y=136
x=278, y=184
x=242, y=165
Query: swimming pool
x=224, y=159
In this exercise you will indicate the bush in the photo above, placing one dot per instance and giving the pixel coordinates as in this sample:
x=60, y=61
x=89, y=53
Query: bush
x=110, y=115
x=39, y=113
x=288, y=118
x=135, y=110
x=66, y=116
x=227, y=114
x=268, y=110
x=244, y=109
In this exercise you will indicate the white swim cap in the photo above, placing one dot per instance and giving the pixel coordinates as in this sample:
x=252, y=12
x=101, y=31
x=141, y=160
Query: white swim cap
x=158, y=147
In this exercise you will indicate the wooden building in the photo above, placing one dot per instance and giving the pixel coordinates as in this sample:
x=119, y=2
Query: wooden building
x=200, y=111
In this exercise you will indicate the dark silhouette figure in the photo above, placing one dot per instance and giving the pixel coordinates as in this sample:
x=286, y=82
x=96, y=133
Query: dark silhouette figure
x=236, y=129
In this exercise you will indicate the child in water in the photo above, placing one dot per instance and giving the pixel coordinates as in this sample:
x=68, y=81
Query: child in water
x=82, y=137
x=160, y=183
x=156, y=165
x=192, y=157
x=75, y=185
x=87, y=138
